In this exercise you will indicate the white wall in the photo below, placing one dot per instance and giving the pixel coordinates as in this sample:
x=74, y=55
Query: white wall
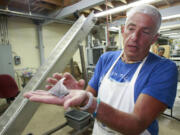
x=23, y=39
x=52, y=33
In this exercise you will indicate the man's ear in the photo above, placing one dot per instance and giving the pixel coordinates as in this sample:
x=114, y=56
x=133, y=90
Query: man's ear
x=155, y=38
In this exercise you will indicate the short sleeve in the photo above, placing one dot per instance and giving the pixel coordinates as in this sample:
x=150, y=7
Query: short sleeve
x=162, y=84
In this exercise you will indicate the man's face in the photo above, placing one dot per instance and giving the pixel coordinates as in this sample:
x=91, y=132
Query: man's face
x=161, y=53
x=139, y=33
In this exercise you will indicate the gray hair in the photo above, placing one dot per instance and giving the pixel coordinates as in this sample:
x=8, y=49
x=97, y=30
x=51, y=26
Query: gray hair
x=146, y=9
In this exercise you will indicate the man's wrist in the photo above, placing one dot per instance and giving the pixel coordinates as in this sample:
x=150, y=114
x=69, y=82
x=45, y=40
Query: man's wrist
x=98, y=101
x=88, y=102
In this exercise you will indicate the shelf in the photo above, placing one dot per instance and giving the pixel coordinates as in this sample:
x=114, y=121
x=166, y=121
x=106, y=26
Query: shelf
x=175, y=58
x=89, y=66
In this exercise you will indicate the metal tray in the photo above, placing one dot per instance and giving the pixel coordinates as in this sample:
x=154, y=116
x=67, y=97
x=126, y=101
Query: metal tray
x=77, y=119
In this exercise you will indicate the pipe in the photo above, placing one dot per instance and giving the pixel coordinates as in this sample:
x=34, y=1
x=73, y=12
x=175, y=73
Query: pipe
x=40, y=43
x=33, y=16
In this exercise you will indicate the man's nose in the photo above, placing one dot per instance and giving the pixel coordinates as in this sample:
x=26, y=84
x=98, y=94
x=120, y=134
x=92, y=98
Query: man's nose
x=135, y=35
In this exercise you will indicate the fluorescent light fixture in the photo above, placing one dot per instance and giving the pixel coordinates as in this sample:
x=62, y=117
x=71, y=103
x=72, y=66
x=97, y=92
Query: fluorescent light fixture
x=164, y=30
x=171, y=17
x=175, y=36
x=125, y=7
x=170, y=34
x=113, y=29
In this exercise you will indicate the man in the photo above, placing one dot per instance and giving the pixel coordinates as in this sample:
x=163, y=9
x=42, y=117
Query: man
x=161, y=51
x=132, y=86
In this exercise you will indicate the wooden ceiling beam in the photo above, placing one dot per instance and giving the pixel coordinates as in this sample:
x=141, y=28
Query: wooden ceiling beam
x=109, y=4
x=84, y=13
x=66, y=3
x=123, y=1
x=46, y=6
x=172, y=4
x=34, y=2
x=118, y=17
x=87, y=11
x=54, y=2
x=40, y=9
x=34, y=8
x=4, y=2
x=69, y=2
x=167, y=2
x=98, y=8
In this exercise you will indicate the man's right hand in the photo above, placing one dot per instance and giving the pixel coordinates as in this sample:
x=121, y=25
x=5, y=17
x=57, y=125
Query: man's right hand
x=70, y=82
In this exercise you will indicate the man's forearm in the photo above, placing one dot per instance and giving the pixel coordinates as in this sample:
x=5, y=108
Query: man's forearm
x=122, y=122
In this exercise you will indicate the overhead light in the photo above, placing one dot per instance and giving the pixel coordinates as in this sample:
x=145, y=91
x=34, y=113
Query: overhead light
x=113, y=29
x=170, y=34
x=164, y=30
x=125, y=7
x=170, y=27
x=171, y=17
x=175, y=36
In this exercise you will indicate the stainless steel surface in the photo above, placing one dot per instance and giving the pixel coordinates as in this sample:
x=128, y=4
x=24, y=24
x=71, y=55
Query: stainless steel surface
x=17, y=116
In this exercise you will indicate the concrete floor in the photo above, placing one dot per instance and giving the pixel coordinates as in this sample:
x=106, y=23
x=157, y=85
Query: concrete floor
x=48, y=117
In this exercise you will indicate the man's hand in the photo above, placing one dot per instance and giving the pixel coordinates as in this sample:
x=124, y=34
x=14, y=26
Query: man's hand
x=75, y=98
x=70, y=82
x=43, y=97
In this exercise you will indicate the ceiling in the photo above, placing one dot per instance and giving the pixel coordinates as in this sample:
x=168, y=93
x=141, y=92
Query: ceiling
x=48, y=7
x=67, y=11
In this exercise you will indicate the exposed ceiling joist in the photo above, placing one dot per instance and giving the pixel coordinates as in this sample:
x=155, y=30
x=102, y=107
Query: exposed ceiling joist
x=4, y=2
x=40, y=9
x=59, y=9
x=67, y=3
x=168, y=3
x=170, y=10
x=176, y=26
x=33, y=2
x=123, y=1
x=119, y=17
x=54, y=2
x=46, y=6
x=109, y=4
x=87, y=11
x=34, y=8
x=98, y=8
x=172, y=22
x=171, y=5
x=33, y=16
x=79, y=6
x=167, y=32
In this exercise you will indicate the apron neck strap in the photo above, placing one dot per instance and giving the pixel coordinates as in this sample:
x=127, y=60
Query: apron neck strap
x=109, y=71
x=135, y=74
x=133, y=80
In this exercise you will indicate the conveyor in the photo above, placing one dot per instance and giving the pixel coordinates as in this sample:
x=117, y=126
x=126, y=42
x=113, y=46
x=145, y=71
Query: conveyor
x=17, y=116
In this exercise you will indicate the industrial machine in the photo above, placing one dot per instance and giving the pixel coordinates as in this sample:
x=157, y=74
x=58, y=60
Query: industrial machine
x=97, y=43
